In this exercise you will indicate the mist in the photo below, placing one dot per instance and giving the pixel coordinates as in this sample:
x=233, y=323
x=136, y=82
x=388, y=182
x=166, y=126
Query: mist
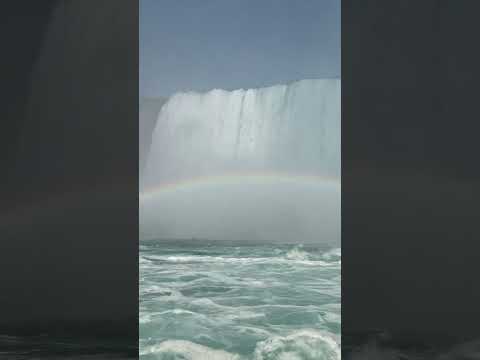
x=273, y=153
x=283, y=213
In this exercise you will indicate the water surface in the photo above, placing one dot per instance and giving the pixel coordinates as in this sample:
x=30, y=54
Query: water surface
x=209, y=300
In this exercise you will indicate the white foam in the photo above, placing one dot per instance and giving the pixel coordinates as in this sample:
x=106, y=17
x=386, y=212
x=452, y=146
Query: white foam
x=333, y=254
x=186, y=350
x=302, y=344
x=243, y=260
x=297, y=254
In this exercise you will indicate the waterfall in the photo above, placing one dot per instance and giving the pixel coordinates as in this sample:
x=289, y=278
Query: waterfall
x=292, y=128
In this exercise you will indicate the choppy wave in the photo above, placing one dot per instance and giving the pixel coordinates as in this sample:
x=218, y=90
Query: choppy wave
x=301, y=345
x=239, y=302
x=186, y=350
x=304, y=344
x=293, y=257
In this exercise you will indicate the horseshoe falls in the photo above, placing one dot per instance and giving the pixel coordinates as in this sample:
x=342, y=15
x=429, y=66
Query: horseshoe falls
x=291, y=129
x=240, y=225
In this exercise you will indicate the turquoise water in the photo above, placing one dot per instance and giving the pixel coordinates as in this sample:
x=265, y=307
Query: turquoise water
x=216, y=301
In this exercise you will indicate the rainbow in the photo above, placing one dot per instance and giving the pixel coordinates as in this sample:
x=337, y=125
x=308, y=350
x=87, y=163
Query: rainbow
x=262, y=178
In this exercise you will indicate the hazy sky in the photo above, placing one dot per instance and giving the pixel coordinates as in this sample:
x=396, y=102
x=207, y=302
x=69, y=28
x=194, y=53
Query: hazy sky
x=200, y=45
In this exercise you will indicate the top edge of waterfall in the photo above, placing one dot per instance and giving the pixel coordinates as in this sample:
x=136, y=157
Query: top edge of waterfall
x=286, y=84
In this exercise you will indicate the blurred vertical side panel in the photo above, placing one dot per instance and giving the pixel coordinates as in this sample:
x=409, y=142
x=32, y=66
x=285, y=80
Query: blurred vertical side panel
x=410, y=176
x=69, y=194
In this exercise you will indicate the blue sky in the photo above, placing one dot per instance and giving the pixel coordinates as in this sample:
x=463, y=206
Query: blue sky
x=229, y=44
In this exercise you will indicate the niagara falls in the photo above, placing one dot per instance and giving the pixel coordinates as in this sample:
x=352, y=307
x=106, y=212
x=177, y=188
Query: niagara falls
x=239, y=220
x=239, y=182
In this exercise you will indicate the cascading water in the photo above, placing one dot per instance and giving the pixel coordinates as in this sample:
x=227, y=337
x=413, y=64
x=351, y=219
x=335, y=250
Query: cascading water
x=253, y=164
x=291, y=128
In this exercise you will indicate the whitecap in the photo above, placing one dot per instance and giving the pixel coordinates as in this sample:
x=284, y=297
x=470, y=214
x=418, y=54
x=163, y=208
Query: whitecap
x=295, y=258
x=297, y=254
x=300, y=345
x=186, y=350
x=333, y=254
